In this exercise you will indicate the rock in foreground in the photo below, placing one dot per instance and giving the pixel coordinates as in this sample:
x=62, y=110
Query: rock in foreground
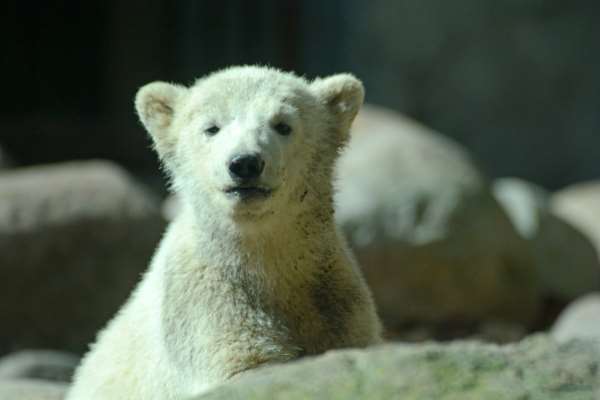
x=74, y=239
x=535, y=369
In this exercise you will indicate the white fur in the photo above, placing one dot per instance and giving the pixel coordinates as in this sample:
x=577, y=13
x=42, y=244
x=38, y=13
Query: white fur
x=234, y=284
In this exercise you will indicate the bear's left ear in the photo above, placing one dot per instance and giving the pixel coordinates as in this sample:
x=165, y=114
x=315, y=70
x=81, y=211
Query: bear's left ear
x=343, y=94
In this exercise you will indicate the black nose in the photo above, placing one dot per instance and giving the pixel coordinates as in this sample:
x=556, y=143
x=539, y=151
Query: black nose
x=246, y=167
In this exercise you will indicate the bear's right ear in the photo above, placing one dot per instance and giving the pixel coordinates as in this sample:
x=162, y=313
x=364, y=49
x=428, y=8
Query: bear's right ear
x=155, y=105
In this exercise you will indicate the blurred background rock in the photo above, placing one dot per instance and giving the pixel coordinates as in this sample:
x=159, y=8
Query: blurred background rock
x=480, y=220
x=74, y=239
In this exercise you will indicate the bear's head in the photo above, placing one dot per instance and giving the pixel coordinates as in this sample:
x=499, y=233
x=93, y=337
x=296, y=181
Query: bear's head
x=251, y=142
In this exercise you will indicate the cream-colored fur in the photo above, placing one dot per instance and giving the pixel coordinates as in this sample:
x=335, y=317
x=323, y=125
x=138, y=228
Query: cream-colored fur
x=236, y=284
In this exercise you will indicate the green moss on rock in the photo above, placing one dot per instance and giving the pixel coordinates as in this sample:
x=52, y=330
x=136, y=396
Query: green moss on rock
x=536, y=369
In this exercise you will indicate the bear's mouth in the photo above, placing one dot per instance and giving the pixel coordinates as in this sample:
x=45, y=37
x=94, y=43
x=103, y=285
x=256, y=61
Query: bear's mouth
x=248, y=192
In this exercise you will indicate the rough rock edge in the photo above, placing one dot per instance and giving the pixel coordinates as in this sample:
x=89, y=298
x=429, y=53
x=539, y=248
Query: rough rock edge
x=536, y=368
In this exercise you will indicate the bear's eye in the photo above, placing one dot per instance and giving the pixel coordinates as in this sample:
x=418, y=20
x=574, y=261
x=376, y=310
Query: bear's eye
x=283, y=129
x=213, y=130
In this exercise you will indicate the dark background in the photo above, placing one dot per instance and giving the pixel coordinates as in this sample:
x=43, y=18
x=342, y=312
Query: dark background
x=516, y=81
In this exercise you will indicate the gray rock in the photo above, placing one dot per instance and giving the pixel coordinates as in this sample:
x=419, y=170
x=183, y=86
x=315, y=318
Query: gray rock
x=47, y=365
x=433, y=242
x=29, y=389
x=580, y=320
x=580, y=206
x=566, y=259
x=74, y=239
x=536, y=369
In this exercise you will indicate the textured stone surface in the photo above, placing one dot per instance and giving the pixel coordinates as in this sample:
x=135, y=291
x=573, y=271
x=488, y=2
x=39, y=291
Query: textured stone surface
x=432, y=240
x=74, y=239
x=566, y=259
x=38, y=364
x=29, y=389
x=580, y=320
x=535, y=369
x=580, y=205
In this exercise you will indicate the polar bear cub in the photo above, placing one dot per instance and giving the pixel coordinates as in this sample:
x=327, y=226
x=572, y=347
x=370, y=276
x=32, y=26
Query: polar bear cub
x=253, y=270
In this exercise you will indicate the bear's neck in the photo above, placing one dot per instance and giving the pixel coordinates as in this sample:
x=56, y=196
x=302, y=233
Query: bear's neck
x=307, y=237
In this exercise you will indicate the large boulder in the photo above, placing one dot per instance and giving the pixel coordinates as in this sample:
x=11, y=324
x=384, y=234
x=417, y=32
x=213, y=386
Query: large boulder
x=47, y=365
x=535, y=369
x=566, y=259
x=580, y=205
x=580, y=320
x=31, y=389
x=74, y=239
x=433, y=242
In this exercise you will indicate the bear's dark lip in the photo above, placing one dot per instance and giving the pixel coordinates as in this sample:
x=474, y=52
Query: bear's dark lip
x=248, y=192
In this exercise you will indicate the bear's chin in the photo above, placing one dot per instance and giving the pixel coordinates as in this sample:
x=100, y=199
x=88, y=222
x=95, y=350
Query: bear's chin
x=249, y=209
